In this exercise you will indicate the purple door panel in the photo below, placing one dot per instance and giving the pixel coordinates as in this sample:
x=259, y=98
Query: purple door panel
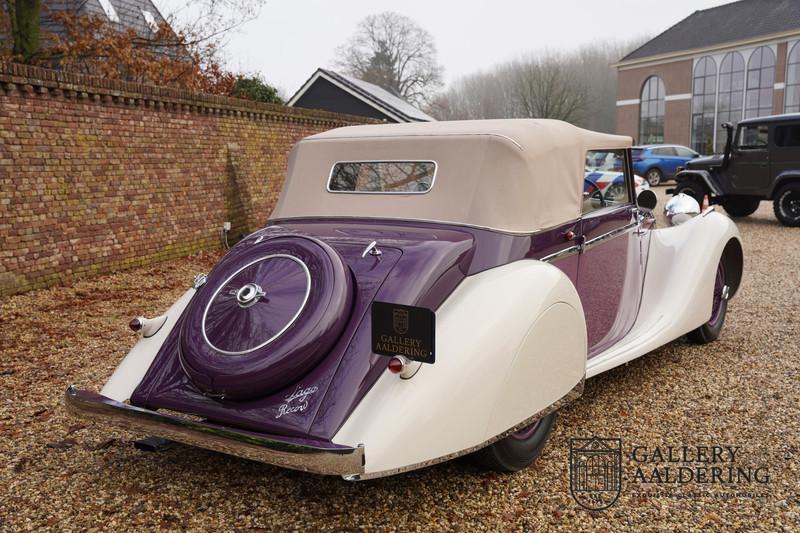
x=610, y=276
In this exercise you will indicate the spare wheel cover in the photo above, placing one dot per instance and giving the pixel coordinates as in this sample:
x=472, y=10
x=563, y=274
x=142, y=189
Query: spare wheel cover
x=267, y=314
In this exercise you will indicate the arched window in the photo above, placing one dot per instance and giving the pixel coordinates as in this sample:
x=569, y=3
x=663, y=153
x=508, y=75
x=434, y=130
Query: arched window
x=651, y=114
x=793, y=80
x=704, y=95
x=760, y=83
x=731, y=93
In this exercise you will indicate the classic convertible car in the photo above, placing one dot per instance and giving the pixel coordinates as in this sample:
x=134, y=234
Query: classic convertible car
x=422, y=292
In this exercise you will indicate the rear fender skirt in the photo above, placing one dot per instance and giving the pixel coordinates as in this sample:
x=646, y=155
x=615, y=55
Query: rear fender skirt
x=510, y=343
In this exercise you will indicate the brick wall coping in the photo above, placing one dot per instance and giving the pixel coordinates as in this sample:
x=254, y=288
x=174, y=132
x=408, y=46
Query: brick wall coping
x=43, y=80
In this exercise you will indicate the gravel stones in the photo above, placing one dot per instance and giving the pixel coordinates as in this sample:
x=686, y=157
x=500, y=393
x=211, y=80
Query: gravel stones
x=743, y=390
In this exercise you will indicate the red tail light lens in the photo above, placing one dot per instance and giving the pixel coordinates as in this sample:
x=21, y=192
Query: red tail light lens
x=136, y=325
x=396, y=365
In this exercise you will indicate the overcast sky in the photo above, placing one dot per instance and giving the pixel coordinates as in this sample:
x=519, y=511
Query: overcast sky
x=291, y=38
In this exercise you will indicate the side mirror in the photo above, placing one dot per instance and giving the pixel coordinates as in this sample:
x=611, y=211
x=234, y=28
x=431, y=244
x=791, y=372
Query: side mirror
x=647, y=199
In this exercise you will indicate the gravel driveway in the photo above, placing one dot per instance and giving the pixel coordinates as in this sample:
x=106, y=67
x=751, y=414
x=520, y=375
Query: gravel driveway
x=741, y=391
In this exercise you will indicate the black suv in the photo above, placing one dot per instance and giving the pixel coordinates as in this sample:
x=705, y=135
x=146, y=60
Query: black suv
x=761, y=162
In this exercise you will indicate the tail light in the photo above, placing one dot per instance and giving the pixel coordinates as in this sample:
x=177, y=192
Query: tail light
x=403, y=367
x=147, y=327
x=396, y=364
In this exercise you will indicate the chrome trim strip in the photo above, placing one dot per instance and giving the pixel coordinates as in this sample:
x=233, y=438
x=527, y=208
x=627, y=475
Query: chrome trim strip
x=429, y=189
x=199, y=280
x=566, y=252
x=284, y=328
x=605, y=236
x=570, y=396
x=344, y=461
x=707, y=210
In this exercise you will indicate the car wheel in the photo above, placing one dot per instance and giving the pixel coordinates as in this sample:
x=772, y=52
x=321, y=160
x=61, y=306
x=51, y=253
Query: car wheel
x=654, y=177
x=518, y=450
x=740, y=206
x=691, y=189
x=616, y=194
x=787, y=205
x=709, y=331
x=268, y=313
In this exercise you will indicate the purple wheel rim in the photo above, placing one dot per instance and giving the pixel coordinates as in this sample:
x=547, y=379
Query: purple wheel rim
x=718, y=302
x=235, y=329
x=526, y=432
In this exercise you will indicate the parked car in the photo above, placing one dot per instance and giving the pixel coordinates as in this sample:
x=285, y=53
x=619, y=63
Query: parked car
x=612, y=184
x=422, y=291
x=761, y=162
x=660, y=162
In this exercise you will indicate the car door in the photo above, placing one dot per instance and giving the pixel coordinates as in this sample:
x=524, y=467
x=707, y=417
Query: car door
x=785, y=152
x=610, y=264
x=669, y=157
x=750, y=169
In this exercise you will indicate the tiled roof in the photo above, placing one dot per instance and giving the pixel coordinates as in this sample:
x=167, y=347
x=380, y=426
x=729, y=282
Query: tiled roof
x=130, y=13
x=737, y=21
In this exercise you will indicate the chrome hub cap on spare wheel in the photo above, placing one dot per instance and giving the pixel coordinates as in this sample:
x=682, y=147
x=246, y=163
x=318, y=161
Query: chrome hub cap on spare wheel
x=249, y=294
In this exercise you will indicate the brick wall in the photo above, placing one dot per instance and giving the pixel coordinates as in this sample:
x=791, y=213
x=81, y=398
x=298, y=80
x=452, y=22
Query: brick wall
x=99, y=175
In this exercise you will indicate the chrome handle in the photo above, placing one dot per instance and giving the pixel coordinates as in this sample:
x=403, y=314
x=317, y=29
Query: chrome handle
x=371, y=249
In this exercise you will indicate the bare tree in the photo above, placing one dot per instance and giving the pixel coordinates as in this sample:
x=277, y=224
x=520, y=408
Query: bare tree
x=578, y=86
x=545, y=87
x=391, y=51
x=19, y=20
x=211, y=22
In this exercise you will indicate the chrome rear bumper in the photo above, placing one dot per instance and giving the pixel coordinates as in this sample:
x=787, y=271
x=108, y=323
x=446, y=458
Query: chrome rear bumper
x=289, y=453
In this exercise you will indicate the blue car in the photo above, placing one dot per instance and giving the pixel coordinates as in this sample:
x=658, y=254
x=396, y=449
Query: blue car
x=659, y=162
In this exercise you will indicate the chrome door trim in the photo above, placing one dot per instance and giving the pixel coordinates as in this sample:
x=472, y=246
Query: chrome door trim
x=605, y=236
x=566, y=252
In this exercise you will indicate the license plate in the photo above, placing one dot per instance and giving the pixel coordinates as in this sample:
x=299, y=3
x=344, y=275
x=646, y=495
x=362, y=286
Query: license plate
x=403, y=330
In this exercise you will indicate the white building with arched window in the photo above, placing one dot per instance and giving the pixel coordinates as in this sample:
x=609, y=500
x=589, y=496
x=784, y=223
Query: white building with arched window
x=723, y=64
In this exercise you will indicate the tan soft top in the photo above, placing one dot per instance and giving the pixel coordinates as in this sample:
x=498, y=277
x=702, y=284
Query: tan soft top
x=517, y=175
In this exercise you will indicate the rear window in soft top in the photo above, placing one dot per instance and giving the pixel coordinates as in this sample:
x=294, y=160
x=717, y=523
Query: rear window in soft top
x=387, y=177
